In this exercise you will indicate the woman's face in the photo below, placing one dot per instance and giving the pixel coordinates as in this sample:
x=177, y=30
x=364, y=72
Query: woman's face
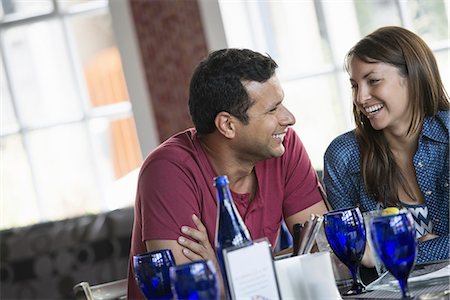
x=380, y=92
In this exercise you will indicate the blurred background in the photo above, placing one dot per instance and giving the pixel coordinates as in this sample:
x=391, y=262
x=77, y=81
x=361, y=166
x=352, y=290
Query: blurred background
x=90, y=87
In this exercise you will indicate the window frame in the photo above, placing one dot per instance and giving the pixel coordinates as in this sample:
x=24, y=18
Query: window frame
x=110, y=111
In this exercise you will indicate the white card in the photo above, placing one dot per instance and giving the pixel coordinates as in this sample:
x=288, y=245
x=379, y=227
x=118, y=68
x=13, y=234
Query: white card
x=251, y=272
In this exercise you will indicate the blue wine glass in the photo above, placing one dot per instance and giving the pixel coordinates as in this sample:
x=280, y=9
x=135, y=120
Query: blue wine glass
x=346, y=234
x=394, y=240
x=195, y=280
x=151, y=271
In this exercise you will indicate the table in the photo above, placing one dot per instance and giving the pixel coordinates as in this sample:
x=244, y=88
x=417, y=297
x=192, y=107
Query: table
x=421, y=287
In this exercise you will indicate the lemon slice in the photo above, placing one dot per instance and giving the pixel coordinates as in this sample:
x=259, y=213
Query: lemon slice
x=390, y=211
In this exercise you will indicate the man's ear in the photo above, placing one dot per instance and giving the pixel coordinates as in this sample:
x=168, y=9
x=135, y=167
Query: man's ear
x=225, y=124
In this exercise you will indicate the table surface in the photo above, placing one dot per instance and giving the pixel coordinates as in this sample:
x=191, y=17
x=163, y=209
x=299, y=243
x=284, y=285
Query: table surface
x=386, y=287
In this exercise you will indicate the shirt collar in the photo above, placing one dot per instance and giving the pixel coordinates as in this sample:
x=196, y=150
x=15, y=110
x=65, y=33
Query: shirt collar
x=437, y=127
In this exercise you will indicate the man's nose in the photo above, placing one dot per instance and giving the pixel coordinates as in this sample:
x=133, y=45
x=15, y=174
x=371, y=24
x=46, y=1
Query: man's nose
x=287, y=118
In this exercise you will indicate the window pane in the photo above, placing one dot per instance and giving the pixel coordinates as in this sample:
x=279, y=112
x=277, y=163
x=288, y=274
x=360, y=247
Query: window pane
x=293, y=23
x=26, y=8
x=68, y=4
x=316, y=106
x=8, y=118
x=65, y=171
x=443, y=61
x=374, y=14
x=279, y=28
x=117, y=153
x=102, y=66
x=41, y=75
x=116, y=146
x=429, y=19
x=18, y=202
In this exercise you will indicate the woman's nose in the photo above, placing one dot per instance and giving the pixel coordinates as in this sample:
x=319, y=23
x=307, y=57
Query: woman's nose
x=363, y=95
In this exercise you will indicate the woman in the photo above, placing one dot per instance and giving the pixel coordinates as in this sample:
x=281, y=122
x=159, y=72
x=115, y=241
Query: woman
x=398, y=153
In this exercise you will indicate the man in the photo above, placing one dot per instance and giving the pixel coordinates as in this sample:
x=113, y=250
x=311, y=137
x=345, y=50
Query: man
x=242, y=131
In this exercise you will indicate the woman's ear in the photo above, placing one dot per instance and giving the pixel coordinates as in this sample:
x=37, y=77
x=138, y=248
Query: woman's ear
x=224, y=124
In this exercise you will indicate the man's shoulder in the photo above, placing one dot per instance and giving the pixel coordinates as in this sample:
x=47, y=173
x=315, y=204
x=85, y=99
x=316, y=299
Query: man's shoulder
x=182, y=142
x=179, y=148
x=292, y=140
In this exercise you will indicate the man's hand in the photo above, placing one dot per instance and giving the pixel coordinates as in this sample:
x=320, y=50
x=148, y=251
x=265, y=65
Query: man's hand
x=201, y=249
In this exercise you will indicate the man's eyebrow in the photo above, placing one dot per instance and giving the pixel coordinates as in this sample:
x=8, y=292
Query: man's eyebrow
x=272, y=105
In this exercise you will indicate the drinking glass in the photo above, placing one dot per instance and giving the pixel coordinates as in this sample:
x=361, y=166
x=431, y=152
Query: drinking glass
x=151, y=271
x=346, y=234
x=394, y=240
x=368, y=216
x=195, y=280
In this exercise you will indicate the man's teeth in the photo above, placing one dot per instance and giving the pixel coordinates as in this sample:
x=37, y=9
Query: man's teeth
x=278, y=136
x=374, y=108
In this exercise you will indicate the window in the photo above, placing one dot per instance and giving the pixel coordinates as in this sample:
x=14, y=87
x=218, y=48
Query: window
x=309, y=40
x=67, y=130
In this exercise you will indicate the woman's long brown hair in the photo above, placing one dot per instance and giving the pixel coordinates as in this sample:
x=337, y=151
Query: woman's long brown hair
x=415, y=61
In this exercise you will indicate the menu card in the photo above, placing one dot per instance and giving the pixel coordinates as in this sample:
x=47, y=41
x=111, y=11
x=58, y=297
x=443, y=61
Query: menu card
x=251, y=272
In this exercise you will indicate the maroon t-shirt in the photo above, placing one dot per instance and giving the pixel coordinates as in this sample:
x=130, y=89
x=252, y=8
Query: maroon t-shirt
x=176, y=181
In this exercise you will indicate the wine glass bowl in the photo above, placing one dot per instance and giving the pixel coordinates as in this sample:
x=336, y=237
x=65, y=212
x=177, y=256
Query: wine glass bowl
x=151, y=271
x=394, y=240
x=346, y=234
x=195, y=280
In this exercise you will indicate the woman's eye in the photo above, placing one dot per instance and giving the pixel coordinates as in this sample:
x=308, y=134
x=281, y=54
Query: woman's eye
x=374, y=81
x=273, y=109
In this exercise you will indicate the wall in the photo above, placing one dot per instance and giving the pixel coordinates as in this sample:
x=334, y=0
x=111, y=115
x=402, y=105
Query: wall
x=171, y=41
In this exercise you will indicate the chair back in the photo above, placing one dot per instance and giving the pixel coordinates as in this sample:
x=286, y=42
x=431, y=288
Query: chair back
x=113, y=290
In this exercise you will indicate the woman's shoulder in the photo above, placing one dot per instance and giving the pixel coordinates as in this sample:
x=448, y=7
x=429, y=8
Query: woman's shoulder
x=342, y=155
x=344, y=142
x=437, y=127
x=343, y=148
x=444, y=117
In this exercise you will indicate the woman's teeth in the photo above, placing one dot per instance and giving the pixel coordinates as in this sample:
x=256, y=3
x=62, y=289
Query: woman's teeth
x=373, y=108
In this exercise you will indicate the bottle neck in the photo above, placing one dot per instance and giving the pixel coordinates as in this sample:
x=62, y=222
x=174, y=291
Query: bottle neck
x=228, y=214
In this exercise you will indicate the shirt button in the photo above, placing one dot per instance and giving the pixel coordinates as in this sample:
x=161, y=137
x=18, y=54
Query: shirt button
x=420, y=164
x=446, y=184
x=428, y=193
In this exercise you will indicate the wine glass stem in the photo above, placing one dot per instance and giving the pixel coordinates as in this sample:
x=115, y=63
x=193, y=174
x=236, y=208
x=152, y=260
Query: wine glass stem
x=404, y=287
x=355, y=275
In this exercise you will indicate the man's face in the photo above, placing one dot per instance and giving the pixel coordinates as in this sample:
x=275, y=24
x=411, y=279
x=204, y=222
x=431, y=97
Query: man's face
x=262, y=137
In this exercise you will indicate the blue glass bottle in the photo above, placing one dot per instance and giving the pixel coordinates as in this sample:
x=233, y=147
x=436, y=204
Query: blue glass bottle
x=230, y=229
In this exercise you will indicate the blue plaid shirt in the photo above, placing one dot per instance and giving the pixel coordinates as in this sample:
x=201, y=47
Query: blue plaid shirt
x=345, y=187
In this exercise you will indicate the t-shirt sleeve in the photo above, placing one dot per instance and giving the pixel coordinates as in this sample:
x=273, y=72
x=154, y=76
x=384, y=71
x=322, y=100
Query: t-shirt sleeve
x=301, y=181
x=168, y=199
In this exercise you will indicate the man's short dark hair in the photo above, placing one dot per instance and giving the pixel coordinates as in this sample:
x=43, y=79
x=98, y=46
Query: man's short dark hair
x=216, y=85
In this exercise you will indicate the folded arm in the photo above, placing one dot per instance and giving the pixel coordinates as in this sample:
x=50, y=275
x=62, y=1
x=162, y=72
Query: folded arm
x=192, y=245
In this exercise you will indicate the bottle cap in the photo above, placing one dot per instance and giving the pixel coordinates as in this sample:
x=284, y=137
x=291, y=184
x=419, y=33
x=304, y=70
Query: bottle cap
x=220, y=181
